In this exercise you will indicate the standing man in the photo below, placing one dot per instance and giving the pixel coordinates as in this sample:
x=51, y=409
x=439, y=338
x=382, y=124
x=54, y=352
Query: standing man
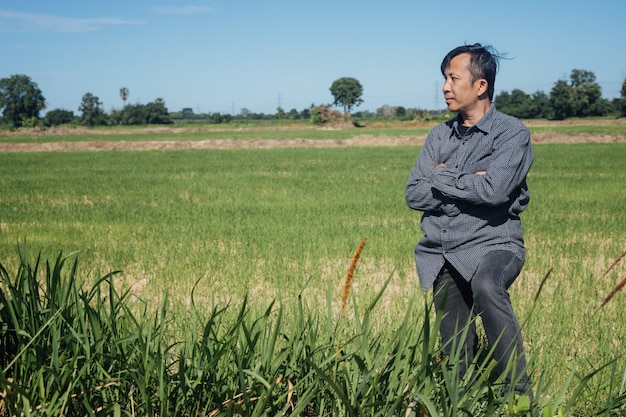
x=470, y=183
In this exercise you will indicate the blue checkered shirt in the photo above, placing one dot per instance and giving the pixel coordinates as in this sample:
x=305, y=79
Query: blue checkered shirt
x=465, y=215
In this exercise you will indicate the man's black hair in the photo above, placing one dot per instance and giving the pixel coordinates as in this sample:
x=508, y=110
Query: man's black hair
x=483, y=64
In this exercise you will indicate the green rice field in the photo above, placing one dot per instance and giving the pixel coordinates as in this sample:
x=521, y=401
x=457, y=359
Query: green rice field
x=220, y=228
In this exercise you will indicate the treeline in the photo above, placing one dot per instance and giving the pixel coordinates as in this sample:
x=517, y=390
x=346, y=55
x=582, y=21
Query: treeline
x=93, y=114
x=21, y=102
x=581, y=96
x=316, y=114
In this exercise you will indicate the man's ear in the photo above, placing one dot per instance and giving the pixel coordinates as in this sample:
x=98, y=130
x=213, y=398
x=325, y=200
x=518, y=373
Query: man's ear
x=483, y=87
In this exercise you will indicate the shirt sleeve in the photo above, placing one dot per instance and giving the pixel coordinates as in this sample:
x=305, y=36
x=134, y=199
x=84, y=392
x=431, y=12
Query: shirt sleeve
x=506, y=170
x=420, y=192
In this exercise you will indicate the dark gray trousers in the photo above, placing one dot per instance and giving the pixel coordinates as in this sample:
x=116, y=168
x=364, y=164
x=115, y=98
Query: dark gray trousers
x=485, y=295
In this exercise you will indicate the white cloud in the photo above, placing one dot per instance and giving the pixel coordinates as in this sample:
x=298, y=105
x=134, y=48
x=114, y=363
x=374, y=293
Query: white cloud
x=182, y=10
x=12, y=21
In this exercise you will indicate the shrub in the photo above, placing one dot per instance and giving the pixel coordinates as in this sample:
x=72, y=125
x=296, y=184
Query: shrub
x=58, y=117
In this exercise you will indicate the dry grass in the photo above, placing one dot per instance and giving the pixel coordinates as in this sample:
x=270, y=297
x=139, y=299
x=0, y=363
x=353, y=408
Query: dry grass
x=615, y=290
x=360, y=137
x=350, y=273
x=620, y=286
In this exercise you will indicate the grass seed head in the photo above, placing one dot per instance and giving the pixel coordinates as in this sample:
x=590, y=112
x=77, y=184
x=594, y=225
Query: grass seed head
x=348, y=281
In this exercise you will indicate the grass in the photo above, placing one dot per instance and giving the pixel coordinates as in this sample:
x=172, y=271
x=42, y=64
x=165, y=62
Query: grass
x=214, y=235
x=238, y=215
x=214, y=132
x=70, y=349
x=286, y=130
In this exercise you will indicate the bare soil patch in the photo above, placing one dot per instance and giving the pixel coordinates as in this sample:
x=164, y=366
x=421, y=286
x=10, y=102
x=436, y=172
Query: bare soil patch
x=360, y=140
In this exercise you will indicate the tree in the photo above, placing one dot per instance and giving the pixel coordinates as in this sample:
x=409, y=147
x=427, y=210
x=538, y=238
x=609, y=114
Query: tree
x=347, y=93
x=145, y=114
x=587, y=99
x=579, y=77
x=623, y=100
x=586, y=94
x=20, y=99
x=293, y=114
x=305, y=114
x=124, y=94
x=157, y=113
x=386, y=112
x=280, y=113
x=91, y=107
x=133, y=114
x=561, y=100
x=58, y=117
x=540, y=105
x=517, y=103
x=187, y=113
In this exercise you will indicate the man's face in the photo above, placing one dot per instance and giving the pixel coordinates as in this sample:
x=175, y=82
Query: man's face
x=460, y=93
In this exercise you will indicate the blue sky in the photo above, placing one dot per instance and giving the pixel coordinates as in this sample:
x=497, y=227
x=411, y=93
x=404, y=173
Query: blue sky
x=225, y=55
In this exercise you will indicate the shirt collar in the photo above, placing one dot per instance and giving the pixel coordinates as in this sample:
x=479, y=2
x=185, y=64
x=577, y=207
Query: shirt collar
x=484, y=124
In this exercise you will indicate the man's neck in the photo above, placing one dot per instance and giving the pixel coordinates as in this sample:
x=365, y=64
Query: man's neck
x=472, y=117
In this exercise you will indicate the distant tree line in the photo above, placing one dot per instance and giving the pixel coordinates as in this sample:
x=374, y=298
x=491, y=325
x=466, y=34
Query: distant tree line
x=92, y=113
x=21, y=102
x=580, y=97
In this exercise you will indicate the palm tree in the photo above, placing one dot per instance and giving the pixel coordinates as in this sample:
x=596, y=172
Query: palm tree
x=124, y=94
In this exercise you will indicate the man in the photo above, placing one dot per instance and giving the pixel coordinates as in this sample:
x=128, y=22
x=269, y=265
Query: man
x=470, y=183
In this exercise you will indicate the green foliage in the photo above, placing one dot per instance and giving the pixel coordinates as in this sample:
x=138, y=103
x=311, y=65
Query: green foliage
x=522, y=105
x=77, y=351
x=124, y=93
x=187, y=113
x=580, y=78
x=31, y=122
x=92, y=112
x=20, y=99
x=142, y=114
x=582, y=97
x=218, y=118
x=561, y=100
x=623, y=99
x=58, y=117
x=347, y=92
